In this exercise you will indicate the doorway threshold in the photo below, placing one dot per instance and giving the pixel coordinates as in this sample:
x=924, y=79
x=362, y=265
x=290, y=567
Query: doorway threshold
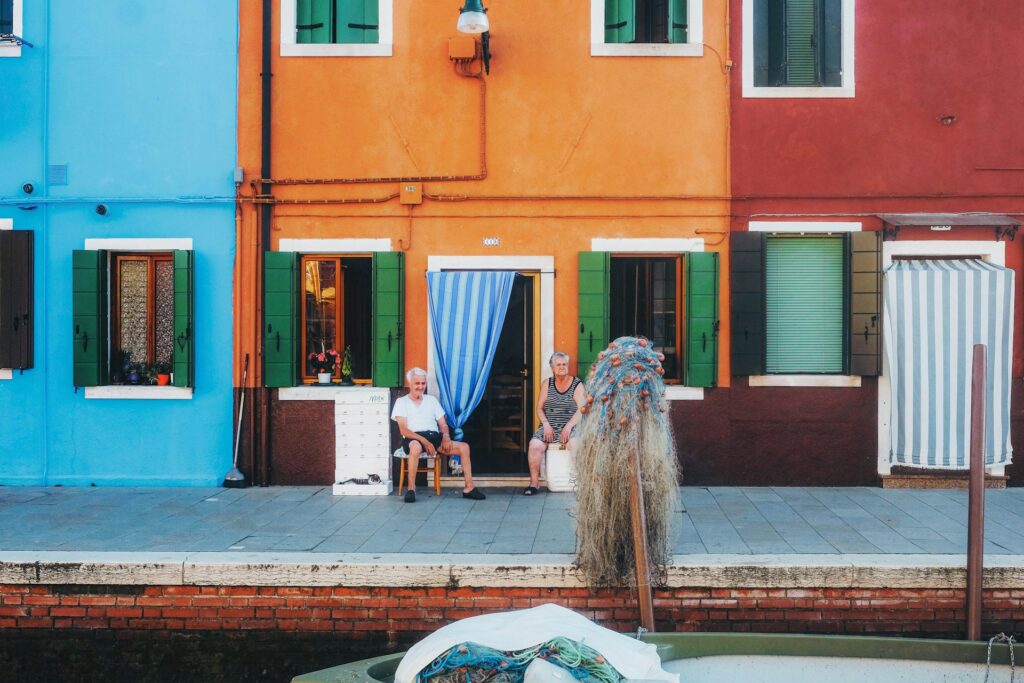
x=490, y=481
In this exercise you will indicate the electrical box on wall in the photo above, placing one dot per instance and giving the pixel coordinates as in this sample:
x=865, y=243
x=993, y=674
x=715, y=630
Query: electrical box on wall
x=461, y=47
x=410, y=193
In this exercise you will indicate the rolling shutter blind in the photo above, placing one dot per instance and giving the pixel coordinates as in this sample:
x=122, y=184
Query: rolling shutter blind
x=17, y=256
x=280, y=297
x=804, y=304
x=619, y=21
x=678, y=28
x=801, y=43
x=701, y=319
x=313, y=21
x=388, y=318
x=865, y=303
x=594, y=303
x=746, y=269
x=356, y=21
x=184, y=362
x=832, y=43
x=89, y=317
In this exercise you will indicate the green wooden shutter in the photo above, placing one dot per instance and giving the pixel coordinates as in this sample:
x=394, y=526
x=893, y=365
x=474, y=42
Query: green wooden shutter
x=801, y=43
x=831, y=48
x=314, y=21
x=184, y=363
x=280, y=324
x=678, y=23
x=594, y=305
x=17, y=263
x=619, y=21
x=701, y=319
x=746, y=274
x=89, y=317
x=388, y=318
x=805, y=305
x=865, y=303
x=356, y=21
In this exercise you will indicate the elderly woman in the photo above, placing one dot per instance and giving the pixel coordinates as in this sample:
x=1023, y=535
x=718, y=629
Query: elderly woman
x=558, y=407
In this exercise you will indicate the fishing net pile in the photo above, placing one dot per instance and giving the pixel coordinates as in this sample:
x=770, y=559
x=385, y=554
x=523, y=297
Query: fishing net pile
x=625, y=413
x=475, y=663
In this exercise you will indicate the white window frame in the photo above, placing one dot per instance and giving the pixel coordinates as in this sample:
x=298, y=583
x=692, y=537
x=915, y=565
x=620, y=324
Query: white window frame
x=10, y=49
x=291, y=48
x=805, y=227
x=119, y=391
x=693, y=47
x=846, y=90
x=6, y=224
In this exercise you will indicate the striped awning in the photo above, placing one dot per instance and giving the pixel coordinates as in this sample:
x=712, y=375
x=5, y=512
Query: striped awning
x=935, y=312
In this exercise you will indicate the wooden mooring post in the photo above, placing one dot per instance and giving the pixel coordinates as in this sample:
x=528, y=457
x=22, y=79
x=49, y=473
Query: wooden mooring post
x=640, y=553
x=976, y=496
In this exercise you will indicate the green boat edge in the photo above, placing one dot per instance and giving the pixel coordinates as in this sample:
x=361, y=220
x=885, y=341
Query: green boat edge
x=672, y=646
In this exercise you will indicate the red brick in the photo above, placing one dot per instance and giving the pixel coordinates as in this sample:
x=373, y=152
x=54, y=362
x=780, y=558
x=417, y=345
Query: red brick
x=67, y=612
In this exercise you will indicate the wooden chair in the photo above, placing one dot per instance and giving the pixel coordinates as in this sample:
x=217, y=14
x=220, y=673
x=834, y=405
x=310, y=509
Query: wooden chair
x=423, y=466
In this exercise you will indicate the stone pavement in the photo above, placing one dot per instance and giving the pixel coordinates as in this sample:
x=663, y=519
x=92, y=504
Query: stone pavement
x=713, y=521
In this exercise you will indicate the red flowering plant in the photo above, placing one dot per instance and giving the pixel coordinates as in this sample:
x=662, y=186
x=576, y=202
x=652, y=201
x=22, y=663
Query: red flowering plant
x=325, y=361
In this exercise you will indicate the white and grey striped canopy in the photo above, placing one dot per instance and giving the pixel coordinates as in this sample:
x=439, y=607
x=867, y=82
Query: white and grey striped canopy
x=935, y=312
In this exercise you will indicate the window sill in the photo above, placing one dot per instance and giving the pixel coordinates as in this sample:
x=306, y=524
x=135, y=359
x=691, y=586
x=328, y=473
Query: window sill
x=801, y=92
x=10, y=51
x=149, y=392
x=804, y=380
x=336, y=50
x=680, y=393
x=6, y=373
x=313, y=392
x=646, y=50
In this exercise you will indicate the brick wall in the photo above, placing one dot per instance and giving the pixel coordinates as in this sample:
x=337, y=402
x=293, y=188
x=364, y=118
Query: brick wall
x=398, y=616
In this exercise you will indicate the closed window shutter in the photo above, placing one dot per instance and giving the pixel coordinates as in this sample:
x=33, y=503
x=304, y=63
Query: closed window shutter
x=594, y=303
x=746, y=275
x=701, y=319
x=832, y=43
x=17, y=264
x=801, y=43
x=184, y=356
x=865, y=303
x=280, y=297
x=89, y=317
x=619, y=21
x=356, y=21
x=804, y=304
x=388, y=318
x=314, y=21
x=678, y=29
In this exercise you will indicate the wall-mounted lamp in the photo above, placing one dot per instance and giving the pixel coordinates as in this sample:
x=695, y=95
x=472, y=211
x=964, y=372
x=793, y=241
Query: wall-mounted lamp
x=101, y=209
x=473, y=18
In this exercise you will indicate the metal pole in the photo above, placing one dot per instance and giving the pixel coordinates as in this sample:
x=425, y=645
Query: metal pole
x=976, y=497
x=639, y=524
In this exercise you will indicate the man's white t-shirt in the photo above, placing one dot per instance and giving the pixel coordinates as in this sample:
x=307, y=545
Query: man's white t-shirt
x=419, y=418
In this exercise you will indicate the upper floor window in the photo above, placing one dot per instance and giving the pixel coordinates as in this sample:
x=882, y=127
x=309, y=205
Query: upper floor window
x=10, y=26
x=798, y=48
x=651, y=28
x=356, y=28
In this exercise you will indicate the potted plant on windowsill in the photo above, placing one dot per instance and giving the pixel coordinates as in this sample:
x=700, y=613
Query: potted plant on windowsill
x=324, y=364
x=163, y=374
x=346, y=367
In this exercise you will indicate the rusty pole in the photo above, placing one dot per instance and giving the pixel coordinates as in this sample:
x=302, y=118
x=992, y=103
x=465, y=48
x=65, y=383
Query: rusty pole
x=640, y=555
x=976, y=496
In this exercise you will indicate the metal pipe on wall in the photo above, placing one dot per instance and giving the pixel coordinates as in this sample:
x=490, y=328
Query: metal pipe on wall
x=266, y=77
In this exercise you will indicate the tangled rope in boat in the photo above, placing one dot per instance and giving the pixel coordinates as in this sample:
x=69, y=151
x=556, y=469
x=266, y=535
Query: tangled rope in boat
x=474, y=663
x=625, y=413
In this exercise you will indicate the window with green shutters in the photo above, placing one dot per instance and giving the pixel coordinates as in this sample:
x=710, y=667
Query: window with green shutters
x=646, y=21
x=337, y=21
x=805, y=305
x=798, y=43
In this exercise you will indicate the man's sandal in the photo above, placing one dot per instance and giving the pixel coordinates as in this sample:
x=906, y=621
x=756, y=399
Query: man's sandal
x=530, y=491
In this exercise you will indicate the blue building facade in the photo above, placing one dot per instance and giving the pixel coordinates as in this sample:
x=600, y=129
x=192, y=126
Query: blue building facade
x=118, y=139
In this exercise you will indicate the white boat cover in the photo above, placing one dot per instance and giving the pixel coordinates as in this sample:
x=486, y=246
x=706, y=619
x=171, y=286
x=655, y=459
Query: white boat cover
x=521, y=629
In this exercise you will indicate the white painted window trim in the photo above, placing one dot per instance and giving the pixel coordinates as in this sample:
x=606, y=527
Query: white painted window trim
x=314, y=392
x=115, y=391
x=335, y=246
x=290, y=48
x=804, y=381
x=7, y=224
x=694, y=47
x=991, y=251
x=847, y=90
x=121, y=391
x=790, y=226
x=678, y=392
x=17, y=28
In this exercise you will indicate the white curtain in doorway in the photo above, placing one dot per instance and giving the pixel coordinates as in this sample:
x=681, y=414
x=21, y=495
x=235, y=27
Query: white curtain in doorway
x=935, y=312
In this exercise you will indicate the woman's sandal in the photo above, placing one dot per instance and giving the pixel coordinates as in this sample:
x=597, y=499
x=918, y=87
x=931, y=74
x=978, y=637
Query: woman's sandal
x=530, y=491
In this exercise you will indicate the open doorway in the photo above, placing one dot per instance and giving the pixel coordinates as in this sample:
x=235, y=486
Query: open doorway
x=500, y=428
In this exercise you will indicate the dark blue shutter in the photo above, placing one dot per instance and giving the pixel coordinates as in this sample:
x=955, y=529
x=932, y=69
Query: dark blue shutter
x=831, y=34
x=16, y=296
x=746, y=274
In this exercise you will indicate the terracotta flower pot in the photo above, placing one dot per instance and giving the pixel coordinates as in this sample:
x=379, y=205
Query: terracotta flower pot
x=163, y=380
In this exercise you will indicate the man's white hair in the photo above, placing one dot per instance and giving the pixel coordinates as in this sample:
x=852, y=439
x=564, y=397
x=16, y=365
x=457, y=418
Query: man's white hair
x=415, y=372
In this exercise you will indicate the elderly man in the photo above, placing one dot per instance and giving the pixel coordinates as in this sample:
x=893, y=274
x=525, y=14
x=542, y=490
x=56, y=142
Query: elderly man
x=421, y=421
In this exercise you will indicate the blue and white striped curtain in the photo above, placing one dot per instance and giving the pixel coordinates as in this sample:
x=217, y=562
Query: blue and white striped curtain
x=935, y=312
x=467, y=311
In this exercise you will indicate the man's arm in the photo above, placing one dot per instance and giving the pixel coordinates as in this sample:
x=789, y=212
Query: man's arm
x=446, y=440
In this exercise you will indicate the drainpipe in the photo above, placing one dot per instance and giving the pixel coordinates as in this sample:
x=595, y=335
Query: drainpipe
x=265, y=216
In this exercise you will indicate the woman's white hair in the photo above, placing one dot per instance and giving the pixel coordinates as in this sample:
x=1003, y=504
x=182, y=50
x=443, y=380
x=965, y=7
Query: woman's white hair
x=415, y=372
x=559, y=355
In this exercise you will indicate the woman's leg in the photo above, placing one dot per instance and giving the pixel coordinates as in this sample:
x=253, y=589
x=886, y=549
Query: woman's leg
x=536, y=452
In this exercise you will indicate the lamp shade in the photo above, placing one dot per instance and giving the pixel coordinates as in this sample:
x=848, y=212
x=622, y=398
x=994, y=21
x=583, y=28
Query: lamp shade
x=473, y=18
